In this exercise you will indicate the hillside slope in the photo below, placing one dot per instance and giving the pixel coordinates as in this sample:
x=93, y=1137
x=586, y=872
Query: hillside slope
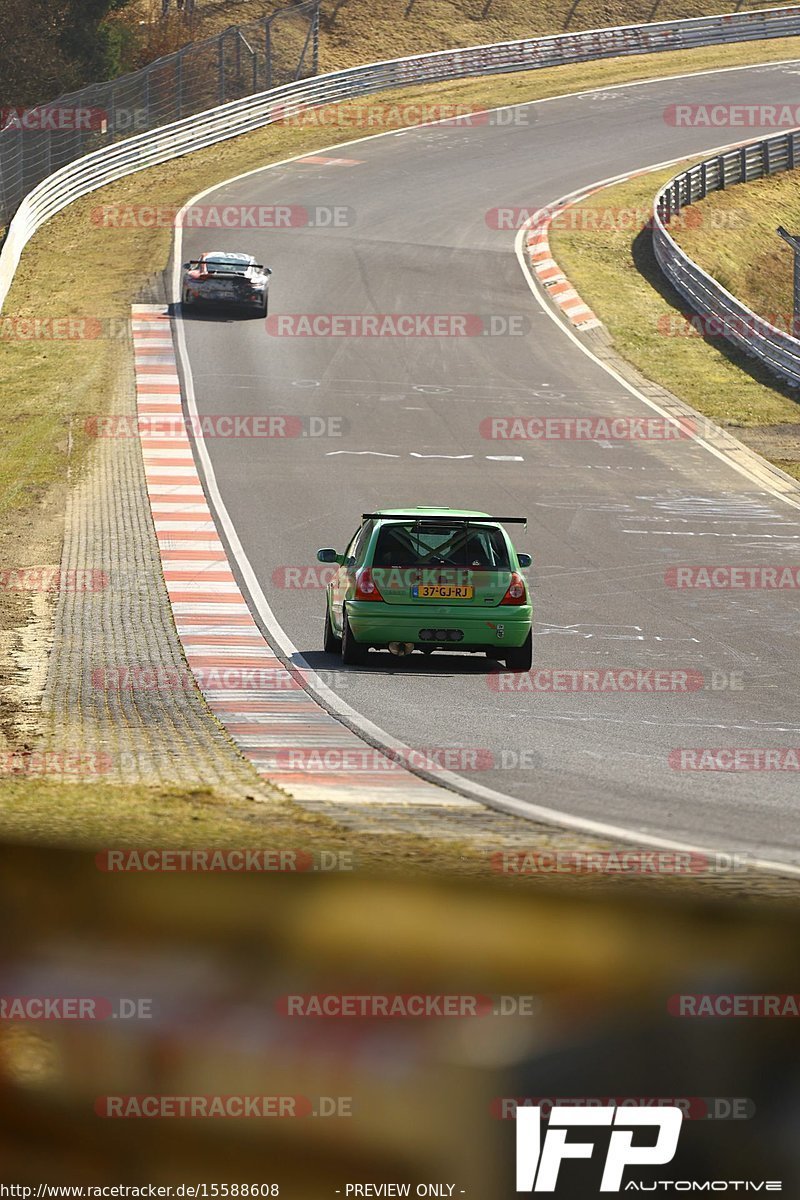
x=356, y=31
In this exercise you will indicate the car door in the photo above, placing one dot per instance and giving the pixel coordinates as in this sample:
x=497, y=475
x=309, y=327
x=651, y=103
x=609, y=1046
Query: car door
x=344, y=578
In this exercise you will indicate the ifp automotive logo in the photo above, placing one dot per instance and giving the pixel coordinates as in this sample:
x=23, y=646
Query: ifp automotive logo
x=539, y=1159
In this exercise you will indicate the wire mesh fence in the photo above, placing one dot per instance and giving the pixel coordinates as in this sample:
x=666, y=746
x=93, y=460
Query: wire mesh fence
x=239, y=62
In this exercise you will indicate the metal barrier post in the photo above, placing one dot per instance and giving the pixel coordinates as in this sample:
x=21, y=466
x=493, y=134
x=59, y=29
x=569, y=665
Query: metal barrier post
x=315, y=35
x=179, y=82
x=794, y=242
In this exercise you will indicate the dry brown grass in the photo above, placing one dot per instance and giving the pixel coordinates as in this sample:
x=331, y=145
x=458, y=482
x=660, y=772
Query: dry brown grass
x=357, y=31
x=616, y=274
x=734, y=239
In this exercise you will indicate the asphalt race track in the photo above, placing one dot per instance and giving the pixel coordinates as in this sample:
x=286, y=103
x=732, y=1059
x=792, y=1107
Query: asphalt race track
x=606, y=519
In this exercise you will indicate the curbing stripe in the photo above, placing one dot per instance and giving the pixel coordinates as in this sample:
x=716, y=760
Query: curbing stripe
x=548, y=272
x=266, y=715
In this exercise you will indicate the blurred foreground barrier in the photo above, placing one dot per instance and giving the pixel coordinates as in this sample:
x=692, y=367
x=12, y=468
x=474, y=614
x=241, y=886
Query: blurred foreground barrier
x=313, y=1031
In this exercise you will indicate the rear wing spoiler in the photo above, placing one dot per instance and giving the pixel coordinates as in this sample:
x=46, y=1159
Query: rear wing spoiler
x=195, y=262
x=433, y=519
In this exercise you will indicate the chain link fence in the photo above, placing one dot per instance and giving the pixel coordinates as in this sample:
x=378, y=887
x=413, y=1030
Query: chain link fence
x=239, y=62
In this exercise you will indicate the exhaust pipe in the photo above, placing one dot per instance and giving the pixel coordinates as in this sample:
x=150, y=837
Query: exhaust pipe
x=400, y=649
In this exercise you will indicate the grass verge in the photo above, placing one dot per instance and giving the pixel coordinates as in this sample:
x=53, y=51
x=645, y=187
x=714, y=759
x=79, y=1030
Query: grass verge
x=616, y=274
x=98, y=814
x=733, y=238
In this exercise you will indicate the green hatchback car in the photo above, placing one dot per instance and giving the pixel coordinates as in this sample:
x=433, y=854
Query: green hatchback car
x=430, y=579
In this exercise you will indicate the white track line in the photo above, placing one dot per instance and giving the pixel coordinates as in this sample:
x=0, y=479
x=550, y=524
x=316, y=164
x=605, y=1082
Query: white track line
x=267, y=713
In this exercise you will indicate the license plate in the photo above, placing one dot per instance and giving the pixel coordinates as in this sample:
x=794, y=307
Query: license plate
x=441, y=591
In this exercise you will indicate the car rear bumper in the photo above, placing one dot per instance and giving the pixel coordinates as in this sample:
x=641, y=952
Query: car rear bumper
x=375, y=624
x=246, y=300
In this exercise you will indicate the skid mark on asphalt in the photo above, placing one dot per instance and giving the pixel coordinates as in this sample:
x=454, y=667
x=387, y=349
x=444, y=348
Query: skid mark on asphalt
x=322, y=160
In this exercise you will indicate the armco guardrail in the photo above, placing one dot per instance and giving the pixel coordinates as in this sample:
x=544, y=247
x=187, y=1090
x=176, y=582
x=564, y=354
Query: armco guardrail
x=226, y=121
x=722, y=313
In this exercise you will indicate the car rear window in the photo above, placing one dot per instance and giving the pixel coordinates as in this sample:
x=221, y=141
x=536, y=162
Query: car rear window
x=226, y=265
x=412, y=545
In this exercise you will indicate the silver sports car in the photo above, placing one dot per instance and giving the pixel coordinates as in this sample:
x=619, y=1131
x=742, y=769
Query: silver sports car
x=219, y=278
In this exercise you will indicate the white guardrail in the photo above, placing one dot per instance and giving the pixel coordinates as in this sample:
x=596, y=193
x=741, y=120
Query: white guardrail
x=240, y=116
x=722, y=314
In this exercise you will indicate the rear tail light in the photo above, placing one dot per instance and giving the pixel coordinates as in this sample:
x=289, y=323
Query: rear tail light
x=515, y=593
x=366, y=587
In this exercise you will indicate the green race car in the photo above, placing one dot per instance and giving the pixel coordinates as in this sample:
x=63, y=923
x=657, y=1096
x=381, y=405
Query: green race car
x=430, y=579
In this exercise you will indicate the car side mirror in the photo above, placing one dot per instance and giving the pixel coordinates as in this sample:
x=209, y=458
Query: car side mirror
x=187, y=266
x=328, y=556
x=524, y=560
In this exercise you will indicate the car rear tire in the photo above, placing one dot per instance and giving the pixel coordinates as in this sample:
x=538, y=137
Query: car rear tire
x=331, y=643
x=520, y=658
x=353, y=654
